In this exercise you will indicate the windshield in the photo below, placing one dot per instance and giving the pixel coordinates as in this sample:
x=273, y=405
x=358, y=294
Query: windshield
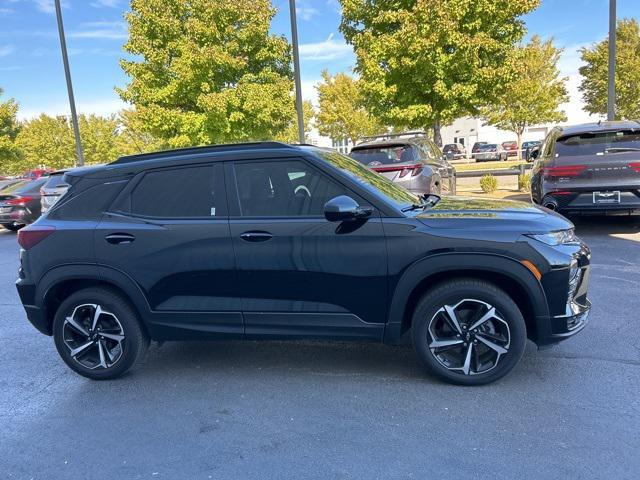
x=600, y=143
x=384, y=155
x=370, y=180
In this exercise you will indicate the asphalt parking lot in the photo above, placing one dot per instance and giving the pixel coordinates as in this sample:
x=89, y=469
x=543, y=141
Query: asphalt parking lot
x=332, y=411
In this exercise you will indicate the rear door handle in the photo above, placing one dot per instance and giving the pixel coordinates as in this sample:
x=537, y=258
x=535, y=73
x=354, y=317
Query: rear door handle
x=256, y=236
x=118, y=238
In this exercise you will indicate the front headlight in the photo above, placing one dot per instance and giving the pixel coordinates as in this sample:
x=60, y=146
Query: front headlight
x=561, y=237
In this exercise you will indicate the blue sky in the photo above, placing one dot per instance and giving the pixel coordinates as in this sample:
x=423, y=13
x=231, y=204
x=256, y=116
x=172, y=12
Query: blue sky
x=31, y=68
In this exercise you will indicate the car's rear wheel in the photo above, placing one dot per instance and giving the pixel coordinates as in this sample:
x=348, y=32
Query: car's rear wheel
x=468, y=332
x=13, y=227
x=98, y=334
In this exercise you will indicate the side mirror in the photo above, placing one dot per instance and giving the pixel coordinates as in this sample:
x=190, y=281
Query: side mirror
x=534, y=153
x=343, y=208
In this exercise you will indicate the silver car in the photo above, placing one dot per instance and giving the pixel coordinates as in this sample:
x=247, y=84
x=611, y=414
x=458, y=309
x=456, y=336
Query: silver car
x=53, y=189
x=491, y=151
x=416, y=163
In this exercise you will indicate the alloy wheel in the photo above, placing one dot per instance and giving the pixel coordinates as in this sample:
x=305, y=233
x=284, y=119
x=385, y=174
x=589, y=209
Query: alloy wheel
x=469, y=337
x=93, y=336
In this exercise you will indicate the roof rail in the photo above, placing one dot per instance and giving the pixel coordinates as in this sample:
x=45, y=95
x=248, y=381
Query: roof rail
x=229, y=147
x=389, y=136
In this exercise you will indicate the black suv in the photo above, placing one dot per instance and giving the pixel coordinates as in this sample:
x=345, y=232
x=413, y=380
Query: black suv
x=592, y=168
x=271, y=241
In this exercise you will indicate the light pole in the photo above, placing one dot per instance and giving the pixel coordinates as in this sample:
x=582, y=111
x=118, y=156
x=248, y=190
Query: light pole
x=611, y=96
x=67, y=73
x=296, y=69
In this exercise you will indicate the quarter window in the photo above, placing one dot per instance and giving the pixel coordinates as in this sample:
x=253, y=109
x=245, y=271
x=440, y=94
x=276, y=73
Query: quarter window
x=176, y=193
x=284, y=189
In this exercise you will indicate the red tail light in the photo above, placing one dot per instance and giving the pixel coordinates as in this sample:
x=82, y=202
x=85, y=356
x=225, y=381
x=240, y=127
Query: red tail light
x=18, y=201
x=33, y=234
x=564, y=171
x=635, y=166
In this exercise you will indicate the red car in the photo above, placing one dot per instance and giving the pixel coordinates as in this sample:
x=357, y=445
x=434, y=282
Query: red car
x=511, y=148
x=35, y=174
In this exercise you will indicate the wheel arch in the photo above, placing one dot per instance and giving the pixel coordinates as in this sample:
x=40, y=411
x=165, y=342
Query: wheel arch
x=58, y=283
x=504, y=272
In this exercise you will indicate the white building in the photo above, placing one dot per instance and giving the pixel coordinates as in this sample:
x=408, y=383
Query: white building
x=469, y=130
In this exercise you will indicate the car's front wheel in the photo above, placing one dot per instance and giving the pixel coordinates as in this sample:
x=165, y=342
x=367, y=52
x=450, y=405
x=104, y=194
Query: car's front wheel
x=468, y=332
x=13, y=227
x=98, y=334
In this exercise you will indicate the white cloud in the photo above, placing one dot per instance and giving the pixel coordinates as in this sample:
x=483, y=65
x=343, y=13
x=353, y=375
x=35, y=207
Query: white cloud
x=327, y=50
x=568, y=65
x=106, y=3
x=104, y=30
x=47, y=6
x=5, y=12
x=6, y=50
x=304, y=11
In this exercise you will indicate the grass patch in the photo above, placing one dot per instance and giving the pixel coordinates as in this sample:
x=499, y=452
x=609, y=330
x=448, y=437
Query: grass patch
x=462, y=167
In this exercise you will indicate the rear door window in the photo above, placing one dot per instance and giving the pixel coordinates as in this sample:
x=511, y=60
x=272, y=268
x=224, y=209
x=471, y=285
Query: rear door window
x=188, y=192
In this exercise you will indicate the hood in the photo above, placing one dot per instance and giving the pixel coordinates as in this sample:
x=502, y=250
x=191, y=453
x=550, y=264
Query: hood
x=494, y=214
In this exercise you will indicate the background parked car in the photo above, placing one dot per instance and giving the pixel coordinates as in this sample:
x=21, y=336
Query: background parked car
x=511, y=148
x=20, y=204
x=454, y=150
x=589, y=168
x=476, y=148
x=415, y=163
x=53, y=189
x=491, y=151
x=527, y=147
x=35, y=174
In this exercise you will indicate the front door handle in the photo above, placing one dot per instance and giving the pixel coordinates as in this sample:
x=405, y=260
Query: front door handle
x=118, y=238
x=256, y=236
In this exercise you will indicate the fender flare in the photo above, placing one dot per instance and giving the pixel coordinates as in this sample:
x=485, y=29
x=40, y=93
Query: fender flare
x=459, y=263
x=91, y=272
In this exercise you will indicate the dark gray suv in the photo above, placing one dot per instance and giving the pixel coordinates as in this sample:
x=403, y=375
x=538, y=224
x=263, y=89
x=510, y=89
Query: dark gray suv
x=272, y=241
x=591, y=168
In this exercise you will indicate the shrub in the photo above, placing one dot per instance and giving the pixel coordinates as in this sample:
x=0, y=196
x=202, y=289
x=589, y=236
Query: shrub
x=488, y=183
x=524, y=182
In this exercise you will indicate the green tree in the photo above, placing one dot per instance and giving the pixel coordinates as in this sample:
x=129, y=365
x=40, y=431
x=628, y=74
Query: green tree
x=99, y=138
x=134, y=137
x=424, y=63
x=534, y=94
x=627, y=77
x=207, y=72
x=48, y=142
x=9, y=128
x=342, y=114
x=290, y=134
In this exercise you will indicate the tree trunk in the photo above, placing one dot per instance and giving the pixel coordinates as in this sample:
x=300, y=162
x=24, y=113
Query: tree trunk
x=519, y=134
x=437, y=136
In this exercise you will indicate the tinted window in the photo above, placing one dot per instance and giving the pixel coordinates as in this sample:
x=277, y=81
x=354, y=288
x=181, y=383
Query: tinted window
x=598, y=143
x=177, y=193
x=288, y=188
x=55, y=181
x=488, y=147
x=368, y=179
x=385, y=155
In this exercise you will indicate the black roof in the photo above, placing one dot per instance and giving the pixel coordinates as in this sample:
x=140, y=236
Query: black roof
x=599, y=127
x=231, y=147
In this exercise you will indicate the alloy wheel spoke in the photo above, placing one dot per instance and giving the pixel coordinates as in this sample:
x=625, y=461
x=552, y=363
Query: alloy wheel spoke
x=493, y=346
x=112, y=336
x=466, y=368
x=96, y=316
x=74, y=323
x=451, y=314
x=445, y=343
x=75, y=351
x=487, y=316
x=101, y=350
x=108, y=352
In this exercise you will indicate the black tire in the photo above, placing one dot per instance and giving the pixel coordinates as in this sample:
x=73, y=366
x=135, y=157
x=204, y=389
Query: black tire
x=13, y=227
x=452, y=293
x=128, y=351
